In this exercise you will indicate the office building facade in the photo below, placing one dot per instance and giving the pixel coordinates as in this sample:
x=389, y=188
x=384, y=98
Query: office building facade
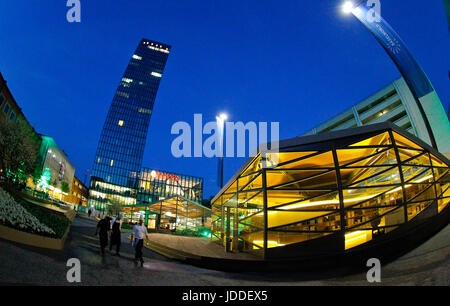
x=155, y=185
x=119, y=154
x=394, y=103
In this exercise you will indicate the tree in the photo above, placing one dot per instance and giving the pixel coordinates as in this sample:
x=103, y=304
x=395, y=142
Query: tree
x=54, y=183
x=114, y=208
x=37, y=174
x=65, y=187
x=18, y=151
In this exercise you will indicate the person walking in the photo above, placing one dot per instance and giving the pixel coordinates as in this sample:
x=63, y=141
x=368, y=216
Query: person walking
x=138, y=235
x=90, y=211
x=103, y=228
x=116, y=225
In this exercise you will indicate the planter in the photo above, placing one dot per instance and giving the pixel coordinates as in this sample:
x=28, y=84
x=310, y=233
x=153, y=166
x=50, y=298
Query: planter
x=14, y=235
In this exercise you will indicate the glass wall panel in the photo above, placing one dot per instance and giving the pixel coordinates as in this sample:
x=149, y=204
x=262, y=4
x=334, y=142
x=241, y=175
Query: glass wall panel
x=323, y=160
x=279, y=239
x=313, y=200
x=302, y=179
x=280, y=218
x=373, y=218
x=326, y=222
x=253, y=240
x=303, y=199
x=355, y=238
x=286, y=157
x=250, y=181
x=378, y=140
x=373, y=197
x=304, y=203
x=437, y=162
x=416, y=208
x=254, y=166
x=405, y=142
x=366, y=157
x=411, y=157
x=373, y=176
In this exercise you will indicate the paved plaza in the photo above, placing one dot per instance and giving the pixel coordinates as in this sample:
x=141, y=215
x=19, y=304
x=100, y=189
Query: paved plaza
x=429, y=264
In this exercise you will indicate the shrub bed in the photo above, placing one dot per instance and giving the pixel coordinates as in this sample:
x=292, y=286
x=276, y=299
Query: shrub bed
x=23, y=216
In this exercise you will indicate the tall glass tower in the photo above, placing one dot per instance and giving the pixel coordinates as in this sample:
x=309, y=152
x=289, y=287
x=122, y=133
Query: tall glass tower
x=118, y=159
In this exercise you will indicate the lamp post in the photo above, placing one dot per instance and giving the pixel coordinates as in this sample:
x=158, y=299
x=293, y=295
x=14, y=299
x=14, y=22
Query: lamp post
x=367, y=12
x=220, y=144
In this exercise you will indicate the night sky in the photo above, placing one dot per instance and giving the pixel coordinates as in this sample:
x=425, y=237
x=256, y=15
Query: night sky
x=296, y=62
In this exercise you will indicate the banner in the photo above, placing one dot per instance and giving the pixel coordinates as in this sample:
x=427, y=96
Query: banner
x=395, y=47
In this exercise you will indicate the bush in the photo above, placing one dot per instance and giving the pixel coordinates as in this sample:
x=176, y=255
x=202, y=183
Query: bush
x=14, y=215
x=56, y=222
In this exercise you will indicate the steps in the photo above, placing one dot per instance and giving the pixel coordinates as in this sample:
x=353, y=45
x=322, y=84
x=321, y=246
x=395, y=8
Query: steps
x=169, y=252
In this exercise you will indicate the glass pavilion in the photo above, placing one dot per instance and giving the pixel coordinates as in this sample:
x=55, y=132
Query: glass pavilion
x=333, y=192
x=174, y=214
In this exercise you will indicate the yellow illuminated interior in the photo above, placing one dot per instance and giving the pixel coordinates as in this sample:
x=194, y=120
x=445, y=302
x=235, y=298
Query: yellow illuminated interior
x=379, y=193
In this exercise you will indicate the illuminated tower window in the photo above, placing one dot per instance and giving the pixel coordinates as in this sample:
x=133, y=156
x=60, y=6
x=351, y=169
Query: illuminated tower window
x=120, y=122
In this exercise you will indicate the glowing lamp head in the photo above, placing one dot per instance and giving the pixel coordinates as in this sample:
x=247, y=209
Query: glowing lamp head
x=348, y=7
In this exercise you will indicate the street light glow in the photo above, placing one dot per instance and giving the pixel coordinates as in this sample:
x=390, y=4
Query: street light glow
x=348, y=7
x=222, y=117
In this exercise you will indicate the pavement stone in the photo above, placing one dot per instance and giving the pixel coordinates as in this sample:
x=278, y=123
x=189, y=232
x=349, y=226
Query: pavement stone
x=429, y=264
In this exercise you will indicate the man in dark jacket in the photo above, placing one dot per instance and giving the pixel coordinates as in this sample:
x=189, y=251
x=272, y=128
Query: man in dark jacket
x=115, y=234
x=103, y=228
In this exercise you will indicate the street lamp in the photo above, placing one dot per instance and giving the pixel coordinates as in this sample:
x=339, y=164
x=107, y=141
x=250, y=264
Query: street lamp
x=220, y=144
x=368, y=13
x=348, y=7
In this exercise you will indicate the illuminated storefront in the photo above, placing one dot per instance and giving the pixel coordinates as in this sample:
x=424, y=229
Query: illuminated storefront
x=333, y=193
x=174, y=214
x=154, y=185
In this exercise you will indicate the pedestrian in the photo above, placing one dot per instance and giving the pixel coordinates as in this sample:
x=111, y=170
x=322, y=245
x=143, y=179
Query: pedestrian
x=116, y=225
x=139, y=234
x=103, y=228
x=90, y=211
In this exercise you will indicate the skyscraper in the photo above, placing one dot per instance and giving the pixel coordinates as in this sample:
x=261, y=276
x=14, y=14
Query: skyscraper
x=118, y=159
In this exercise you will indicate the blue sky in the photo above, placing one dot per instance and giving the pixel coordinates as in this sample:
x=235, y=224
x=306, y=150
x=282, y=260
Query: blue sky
x=295, y=62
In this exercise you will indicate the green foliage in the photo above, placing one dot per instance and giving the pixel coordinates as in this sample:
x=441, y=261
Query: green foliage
x=18, y=150
x=56, y=222
x=65, y=187
x=37, y=173
x=189, y=232
x=45, y=178
x=114, y=208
